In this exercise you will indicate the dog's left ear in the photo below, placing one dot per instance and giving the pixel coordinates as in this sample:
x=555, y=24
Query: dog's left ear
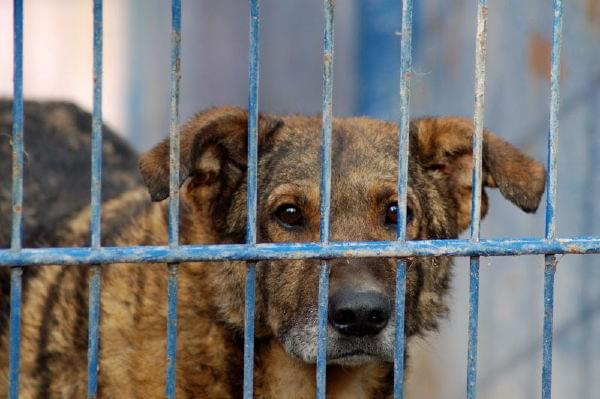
x=444, y=145
x=213, y=148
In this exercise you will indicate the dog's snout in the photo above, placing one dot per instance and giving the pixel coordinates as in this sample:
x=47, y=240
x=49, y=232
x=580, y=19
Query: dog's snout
x=359, y=314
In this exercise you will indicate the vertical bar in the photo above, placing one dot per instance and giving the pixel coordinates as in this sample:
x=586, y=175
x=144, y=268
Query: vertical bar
x=96, y=186
x=403, y=134
x=96, y=200
x=551, y=194
x=480, y=58
x=249, y=308
x=171, y=329
x=14, y=331
x=173, y=197
x=473, y=327
x=16, y=273
x=93, y=331
x=325, y=198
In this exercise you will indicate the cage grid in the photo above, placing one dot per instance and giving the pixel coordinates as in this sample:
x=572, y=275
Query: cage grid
x=172, y=254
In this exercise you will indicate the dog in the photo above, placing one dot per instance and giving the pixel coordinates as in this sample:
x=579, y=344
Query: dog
x=56, y=178
x=211, y=295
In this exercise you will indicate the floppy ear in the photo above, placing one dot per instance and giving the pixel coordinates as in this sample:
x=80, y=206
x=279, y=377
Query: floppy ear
x=444, y=145
x=213, y=147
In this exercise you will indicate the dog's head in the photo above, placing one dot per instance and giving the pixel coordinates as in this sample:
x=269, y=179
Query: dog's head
x=363, y=208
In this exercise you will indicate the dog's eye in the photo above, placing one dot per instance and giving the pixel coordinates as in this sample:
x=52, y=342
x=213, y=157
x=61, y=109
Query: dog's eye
x=391, y=213
x=289, y=215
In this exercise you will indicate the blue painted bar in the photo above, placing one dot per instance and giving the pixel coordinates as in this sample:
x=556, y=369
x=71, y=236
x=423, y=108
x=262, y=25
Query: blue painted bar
x=242, y=252
x=96, y=204
x=551, y=194
x=171, y=330
x=322, y=304
x=93, y=331
x=403, y=133
x=473, y=327
x=253, y=81
x=174, y=150
x=552, y=176
x=480, y=59
x=96, y=186
x=399, y=332
x=17, y=128
x=17, y=203
x=325, y=200
x=253, y=84
x=16, y=275
x=549, y=271
x=249, y=314
x=174, y=123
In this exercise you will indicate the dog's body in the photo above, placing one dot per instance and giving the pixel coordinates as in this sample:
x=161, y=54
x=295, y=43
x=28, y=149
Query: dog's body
x=211, y=300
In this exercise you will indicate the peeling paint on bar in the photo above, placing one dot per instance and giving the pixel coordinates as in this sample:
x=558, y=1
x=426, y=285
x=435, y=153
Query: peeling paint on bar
x=551, y=194
x=96, y=205
x=174, y=150
x=16, y=274
x=93, y=331
x=333, y=250
x=325, y=200
x=249, y=299
x=171, y=329
x=405, y=75
x=478, y=114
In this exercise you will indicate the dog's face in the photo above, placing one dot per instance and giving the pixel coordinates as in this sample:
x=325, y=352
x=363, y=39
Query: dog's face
x=363, y=208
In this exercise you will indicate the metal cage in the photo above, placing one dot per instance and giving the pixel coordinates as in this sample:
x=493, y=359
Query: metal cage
x=17, y=257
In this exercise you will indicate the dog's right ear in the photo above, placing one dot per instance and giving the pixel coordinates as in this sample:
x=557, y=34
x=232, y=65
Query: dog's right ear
x=213, y=150
x=443, y=146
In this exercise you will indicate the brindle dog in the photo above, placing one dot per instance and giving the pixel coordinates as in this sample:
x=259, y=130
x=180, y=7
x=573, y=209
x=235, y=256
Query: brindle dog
x=211, y=301
x=56, y=180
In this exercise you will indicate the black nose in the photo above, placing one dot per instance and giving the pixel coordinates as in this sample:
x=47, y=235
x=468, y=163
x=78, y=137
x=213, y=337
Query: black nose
x=359, y=313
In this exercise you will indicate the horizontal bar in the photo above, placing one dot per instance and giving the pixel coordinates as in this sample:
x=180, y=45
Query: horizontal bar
x=228, y=252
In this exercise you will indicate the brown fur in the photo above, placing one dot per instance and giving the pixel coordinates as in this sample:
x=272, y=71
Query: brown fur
x=211, y=301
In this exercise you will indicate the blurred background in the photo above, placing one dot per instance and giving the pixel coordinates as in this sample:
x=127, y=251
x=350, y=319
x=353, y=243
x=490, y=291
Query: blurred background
x=58, y=65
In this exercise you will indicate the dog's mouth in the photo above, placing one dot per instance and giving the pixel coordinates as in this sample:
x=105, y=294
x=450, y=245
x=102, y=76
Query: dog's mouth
x=353, y=358
x=301, y=342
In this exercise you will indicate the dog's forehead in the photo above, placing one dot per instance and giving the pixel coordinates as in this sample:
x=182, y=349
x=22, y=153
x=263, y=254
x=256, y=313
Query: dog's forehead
x=359, y=146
